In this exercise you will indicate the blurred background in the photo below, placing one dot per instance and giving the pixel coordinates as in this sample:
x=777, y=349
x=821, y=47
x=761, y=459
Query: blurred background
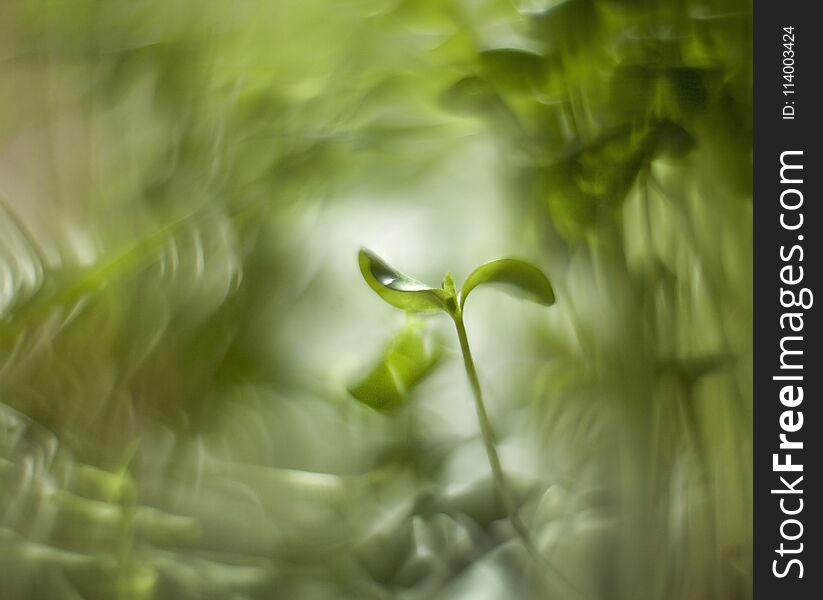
x=183, y=190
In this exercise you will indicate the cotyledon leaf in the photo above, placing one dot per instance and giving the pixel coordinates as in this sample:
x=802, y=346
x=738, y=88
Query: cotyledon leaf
x=398, y=289
x=519, y=278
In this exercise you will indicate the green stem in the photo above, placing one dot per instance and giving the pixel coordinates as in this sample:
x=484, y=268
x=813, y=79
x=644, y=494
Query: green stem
x=499, y=476
x=487, y=433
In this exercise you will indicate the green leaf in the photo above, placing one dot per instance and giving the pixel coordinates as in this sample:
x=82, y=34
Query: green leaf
x=568, y=25
x=404, y=364
x=513, y=68
x=471, y=94
x=519, y=277
x=691, y=370
x=398, y=289
x=672, y=139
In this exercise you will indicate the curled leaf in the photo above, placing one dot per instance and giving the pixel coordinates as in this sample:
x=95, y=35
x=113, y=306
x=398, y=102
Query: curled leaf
x=406, y=362
x=398, y=289
x=520, y=278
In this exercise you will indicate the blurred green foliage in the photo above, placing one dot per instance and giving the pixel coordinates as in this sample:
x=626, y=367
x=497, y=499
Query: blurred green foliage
x=405, y=362
x=183, y=186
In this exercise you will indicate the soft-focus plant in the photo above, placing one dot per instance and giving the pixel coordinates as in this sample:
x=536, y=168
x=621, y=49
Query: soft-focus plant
x=518, y=277
x=166, y=365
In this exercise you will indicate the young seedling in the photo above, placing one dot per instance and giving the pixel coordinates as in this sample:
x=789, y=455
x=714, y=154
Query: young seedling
x=518, y=277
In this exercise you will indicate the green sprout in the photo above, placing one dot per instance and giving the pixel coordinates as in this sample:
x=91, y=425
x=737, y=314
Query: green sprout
x=519, y=278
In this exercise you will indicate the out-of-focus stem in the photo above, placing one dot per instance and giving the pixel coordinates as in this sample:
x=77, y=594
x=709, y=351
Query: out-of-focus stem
x=499, y=476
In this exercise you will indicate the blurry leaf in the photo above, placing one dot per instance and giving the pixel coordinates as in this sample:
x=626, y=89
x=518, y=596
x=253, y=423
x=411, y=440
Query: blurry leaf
x=383, y=551
x=104, y=521
x=691, y=87
x=164, y=529
x=475, y=96
x=587, y=187
x=43, y=556
x=633, y=89
x=513, y=68
x=691, y=370
x=429, y=16
x=520, y=278
x=398, y=289
x=96, y=484
x=568, y=25
x=573, y=211
x=470, y=94
x=405, y=363
x=673, y=140
x=74, y=511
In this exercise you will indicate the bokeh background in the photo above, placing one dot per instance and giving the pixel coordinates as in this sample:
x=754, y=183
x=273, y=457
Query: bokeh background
x=184, y=187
